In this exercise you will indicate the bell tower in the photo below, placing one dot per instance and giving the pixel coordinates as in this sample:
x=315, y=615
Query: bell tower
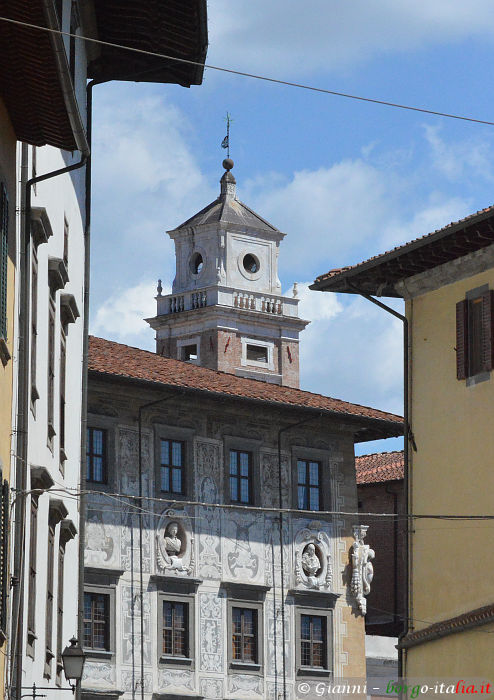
x=226, y=311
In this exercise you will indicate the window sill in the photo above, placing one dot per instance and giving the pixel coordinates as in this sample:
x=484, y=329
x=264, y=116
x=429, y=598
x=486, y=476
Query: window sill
x=98, y=653
x=176, y=660
x=5, y=355
x=478, y=378
x=313, y=672
x=245, y=667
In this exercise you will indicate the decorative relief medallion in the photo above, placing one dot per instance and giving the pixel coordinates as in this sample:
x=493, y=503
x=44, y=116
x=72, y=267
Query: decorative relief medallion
x=174, y=543
x=362, y=568
x=313, y=566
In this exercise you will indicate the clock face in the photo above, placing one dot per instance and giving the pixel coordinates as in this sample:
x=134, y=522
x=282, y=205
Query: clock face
x=196, y=263
x=251, y=263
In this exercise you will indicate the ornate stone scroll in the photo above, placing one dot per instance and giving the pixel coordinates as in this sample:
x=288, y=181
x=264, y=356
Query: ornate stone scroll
x=362, y=569
x=174, y=543
x=313, y=567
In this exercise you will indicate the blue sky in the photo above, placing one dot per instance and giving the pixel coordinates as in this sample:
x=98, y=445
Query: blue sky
x=345, y=180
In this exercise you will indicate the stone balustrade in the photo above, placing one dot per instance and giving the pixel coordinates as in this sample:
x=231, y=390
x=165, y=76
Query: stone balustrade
x=227, y=296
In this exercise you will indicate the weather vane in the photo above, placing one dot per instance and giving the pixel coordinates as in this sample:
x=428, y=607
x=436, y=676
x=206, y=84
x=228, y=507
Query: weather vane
x=226, y=141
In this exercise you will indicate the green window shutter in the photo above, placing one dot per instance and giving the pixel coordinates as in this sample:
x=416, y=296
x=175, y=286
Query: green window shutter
x=4, y=252
x=461, y=339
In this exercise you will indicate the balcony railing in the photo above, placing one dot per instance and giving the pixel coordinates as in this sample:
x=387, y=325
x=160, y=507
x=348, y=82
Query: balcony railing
x=226, y=296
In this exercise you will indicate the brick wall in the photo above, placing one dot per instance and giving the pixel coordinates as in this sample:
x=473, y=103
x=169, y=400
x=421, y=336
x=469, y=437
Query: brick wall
x=385, y=603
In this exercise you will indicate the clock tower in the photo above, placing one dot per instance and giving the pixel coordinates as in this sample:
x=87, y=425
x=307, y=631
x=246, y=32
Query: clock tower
x=226, y=310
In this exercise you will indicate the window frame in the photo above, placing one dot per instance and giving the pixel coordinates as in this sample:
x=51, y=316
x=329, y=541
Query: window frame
x=237, y=600
x=239, y=478
x=109, y=591
x=169, y=660
x=181, y=467
x=109, y=424
x=163, y=431
x=311, y=454
x=186, y=342
x=269, y=345
x=315, y=609
x=91, y=454
x=241, y=444
x=477, y=368
x=307, y=484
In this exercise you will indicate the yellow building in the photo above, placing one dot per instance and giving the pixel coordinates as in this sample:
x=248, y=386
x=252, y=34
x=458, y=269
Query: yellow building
x=447, y=282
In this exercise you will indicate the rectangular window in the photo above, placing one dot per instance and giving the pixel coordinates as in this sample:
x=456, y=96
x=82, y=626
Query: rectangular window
x=175, y=629
x=33, y=549
x=189, y=353
x=172, y=466
x=4, y=255
x=66, y=242
x=51, y=370
x=49, y=599
x=244, y=635
x=240, y=476
x=313, y=641
x=61, y=565
x=34, y=325
x=96, y=456
x=257, y=353
x=308, y=485
x=63, y=362
x=475, y=333
x=97, y=621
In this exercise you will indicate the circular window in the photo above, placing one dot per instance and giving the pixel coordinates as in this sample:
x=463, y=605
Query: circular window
x=196, y=263
x=251, y=263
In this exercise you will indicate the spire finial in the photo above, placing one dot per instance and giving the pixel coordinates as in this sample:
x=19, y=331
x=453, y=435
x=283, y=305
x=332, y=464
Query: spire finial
x=228, y=181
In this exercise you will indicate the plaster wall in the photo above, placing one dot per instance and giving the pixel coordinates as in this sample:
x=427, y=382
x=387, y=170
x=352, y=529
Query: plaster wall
x=450, y=473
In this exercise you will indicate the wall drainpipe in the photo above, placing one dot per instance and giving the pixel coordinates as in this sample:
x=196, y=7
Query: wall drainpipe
x=408, y=436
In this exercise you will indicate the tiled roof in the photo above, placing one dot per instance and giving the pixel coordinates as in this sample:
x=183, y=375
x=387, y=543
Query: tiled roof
x=114, y=359
x=424, y=253
x=383, y=466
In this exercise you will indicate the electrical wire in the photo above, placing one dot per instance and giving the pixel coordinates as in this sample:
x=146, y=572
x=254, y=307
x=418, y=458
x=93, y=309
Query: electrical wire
x=171, y=503
x=277, y=81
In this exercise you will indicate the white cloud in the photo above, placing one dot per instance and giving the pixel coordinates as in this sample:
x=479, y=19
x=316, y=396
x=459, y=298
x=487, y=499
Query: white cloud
x=283, y=38
x=455, y=160
x=121, y=317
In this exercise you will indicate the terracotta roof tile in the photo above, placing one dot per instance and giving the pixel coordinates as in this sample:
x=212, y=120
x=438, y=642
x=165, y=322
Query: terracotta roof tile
x=109, y=358
x=383, y=466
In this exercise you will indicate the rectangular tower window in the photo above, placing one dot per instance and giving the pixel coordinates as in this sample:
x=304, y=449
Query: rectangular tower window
x=189, y=353
x=257, y=353
x=172, y=466
x=309, y=485
x=240, y=476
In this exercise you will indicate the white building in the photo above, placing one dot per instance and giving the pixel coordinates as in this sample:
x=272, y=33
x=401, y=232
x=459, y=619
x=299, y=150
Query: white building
x=201, y=588
x=44, y=91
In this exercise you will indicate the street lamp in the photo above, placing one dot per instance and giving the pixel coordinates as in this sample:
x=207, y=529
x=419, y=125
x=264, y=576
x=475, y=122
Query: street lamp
x=73, y=662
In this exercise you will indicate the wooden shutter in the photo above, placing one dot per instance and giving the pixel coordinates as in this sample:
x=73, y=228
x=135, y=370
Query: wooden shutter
x=461, y=339
x=487, y=330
